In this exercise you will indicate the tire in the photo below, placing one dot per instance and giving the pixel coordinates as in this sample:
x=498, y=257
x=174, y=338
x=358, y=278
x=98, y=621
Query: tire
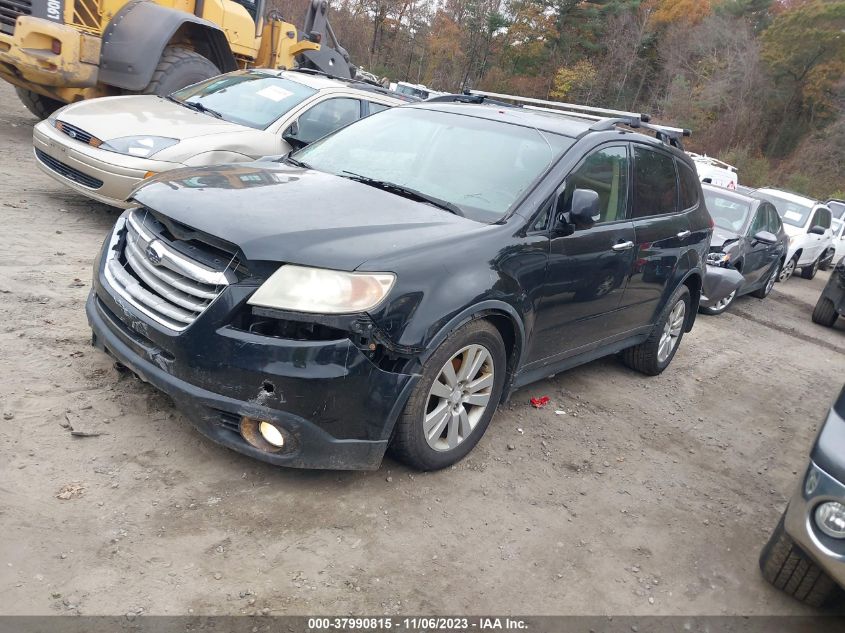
x=825, y=312
x=646, y=357
x=410, y=443
x=808, y=272
x=719, y=306
x=789, y=569
x=826, y=260
x=763, y=291
x=177, y=68
x=788, y=269
x=39, y=105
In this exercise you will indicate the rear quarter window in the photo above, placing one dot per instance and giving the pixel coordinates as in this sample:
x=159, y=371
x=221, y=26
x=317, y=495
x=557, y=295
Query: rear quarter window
x=655, y=183
x=689, y=186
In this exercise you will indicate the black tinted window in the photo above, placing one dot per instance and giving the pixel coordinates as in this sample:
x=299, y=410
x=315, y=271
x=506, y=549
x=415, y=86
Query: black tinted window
x=376, y=107
x=326, y=117
x=605, y=172
x=655, y=183
x=824, y=218
x=689, y=186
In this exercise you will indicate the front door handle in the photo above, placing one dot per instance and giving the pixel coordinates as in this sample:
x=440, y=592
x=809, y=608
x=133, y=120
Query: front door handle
x=684, y=234
x=623, y=246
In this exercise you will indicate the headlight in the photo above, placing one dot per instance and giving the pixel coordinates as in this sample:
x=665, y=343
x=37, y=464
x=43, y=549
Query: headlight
x=830, y=517
x=140, y=146
x=51, y=120
x=302, y=289
x=718, y=259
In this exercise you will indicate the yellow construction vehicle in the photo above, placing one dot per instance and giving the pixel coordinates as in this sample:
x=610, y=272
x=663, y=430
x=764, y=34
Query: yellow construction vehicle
x=59, y=51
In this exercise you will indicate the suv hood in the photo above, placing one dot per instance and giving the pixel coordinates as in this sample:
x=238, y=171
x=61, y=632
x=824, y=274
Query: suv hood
x=278, y=213
x=145, y=115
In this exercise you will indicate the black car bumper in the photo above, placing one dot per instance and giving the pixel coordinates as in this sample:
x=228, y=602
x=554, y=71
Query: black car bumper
x=337, y=408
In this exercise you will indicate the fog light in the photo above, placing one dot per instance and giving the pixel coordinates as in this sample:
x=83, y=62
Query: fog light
x=830, y=517
x=271, y=434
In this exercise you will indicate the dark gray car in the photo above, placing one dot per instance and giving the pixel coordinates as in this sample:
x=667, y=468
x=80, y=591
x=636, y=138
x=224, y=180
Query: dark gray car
x=749, y=238
x=805, y=555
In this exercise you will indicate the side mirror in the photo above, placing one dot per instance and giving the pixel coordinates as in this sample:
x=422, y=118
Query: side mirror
x=291, y=136
x=582, y=209
x=818, y=230
x=765, y=237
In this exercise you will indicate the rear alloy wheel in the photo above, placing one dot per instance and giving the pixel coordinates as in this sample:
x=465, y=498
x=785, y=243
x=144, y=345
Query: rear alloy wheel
x=720, y=306
x=766, y=289
x=455, y=399
x=654, y=354
x=788, y=269
x=808, y=272
x=825, y=312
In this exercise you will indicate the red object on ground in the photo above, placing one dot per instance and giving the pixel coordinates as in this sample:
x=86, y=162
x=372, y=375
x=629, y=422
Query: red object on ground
x=539, y=403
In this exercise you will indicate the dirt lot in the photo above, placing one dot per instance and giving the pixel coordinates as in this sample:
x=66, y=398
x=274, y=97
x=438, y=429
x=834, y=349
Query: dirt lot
x=650, y=496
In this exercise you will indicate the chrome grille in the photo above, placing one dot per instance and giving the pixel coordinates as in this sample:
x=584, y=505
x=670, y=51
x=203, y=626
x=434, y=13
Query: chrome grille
x=74, y=132
x=9, y=12
x=166, y=285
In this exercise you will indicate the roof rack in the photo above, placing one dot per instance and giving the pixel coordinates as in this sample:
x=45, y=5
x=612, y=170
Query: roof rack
x=603, y=118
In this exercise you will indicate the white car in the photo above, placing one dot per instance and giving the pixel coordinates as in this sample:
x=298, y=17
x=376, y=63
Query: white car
x=838, y=240
x=809, y=226
x=715, y=171
x=104, y=148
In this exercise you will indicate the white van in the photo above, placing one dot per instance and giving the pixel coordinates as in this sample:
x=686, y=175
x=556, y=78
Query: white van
x=715, y=171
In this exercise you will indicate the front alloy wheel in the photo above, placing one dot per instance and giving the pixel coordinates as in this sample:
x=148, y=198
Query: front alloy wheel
x=458, y=398
x=720, y=306
x=453, y=402
x=787, y=270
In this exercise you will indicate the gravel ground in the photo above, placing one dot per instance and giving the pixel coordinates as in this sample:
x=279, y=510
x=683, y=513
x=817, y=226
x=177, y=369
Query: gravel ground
x=648, y=496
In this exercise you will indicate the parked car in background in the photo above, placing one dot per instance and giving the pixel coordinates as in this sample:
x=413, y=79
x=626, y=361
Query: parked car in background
x=103, y=148
x=808, y=223
x=805, y=556
x=831, y=303
x=838, y=227
x=748, y=237
x=837, y=208
x=714, y=171
x=416, y=90
x=392, y=283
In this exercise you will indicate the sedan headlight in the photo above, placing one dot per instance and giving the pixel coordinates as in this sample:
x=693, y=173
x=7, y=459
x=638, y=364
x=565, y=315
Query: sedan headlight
x=140, y=146
x=718, y=259
x=317, y=290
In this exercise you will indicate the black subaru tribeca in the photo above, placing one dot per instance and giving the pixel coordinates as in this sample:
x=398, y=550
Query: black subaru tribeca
x=389, y=285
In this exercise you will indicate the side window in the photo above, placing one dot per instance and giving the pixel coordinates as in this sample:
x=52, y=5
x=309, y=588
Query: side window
x=824, y=218
x=655, y=183
x=760, y=221
x=605, y=171
x=376, y=107
x=326, y=117
x=775, y=223
x=689, y=186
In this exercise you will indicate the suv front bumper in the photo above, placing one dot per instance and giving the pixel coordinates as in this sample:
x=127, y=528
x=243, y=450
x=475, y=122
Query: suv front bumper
x=336, y=408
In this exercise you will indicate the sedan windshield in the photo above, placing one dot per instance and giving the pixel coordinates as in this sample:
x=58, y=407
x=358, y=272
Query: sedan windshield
x=728, y=212
x=478, y=166
x=250, y=98
x=790, y=211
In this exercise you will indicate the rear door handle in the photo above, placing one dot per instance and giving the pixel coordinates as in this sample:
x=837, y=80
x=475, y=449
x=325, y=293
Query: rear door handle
x=623, y=246
x=684, y=234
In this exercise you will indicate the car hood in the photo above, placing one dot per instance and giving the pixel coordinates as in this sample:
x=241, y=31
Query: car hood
x=721, y=236
x=143, y=115
x=277, y=213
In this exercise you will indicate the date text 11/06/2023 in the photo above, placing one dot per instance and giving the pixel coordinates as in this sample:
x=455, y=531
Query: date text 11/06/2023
x=412, y=624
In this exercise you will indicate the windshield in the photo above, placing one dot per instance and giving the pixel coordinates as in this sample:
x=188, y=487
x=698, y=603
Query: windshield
x=837, y=209
x=727, y=212
x=478, y=165
x=790, y=211
x=249, y=98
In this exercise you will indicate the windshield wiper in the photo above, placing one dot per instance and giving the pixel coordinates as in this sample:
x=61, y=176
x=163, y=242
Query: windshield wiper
x=295, y=162
x=404, y=191
x=195, y=105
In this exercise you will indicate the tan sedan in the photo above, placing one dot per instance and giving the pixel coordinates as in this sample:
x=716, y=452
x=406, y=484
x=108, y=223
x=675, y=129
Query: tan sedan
x=104, y=148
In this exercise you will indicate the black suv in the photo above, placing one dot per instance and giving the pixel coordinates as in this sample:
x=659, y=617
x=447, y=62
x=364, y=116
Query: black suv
x=391, y=284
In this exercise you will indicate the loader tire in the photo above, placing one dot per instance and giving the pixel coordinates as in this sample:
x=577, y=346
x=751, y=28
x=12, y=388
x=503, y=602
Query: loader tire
x=39, y=105
x=177, y=68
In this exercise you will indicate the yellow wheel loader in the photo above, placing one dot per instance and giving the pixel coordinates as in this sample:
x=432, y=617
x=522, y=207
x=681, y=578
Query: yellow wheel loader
x=59, y=51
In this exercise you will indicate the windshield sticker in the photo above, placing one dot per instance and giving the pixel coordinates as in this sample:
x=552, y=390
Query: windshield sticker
x=274, y=93
x=792, y=215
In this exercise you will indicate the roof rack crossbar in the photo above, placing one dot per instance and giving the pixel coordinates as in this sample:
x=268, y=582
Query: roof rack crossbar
x=580, y=115
x=561, y=105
